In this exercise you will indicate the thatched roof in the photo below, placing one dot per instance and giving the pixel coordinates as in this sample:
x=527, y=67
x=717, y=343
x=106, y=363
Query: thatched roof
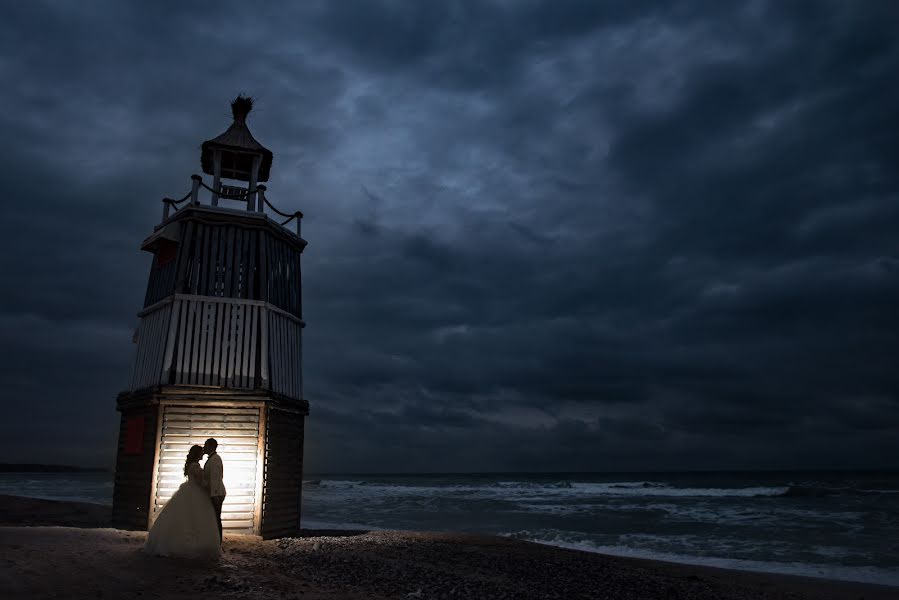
x=238, y=147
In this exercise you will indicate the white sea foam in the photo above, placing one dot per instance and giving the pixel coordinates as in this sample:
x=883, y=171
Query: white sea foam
x=863, y=574
x=516, y=490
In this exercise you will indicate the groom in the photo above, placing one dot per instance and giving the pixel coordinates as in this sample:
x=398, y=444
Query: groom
x=212, y=473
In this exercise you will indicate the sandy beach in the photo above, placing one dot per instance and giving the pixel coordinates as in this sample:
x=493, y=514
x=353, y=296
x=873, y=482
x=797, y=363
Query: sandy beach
x=51, y=549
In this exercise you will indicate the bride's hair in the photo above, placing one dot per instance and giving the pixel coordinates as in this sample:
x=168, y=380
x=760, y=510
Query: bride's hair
x=194, y=456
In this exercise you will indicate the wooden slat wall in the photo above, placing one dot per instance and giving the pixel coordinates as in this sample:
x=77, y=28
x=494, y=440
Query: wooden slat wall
x=134, y=473
x=161, y=282
x=237, y=432
x=283, y=268
x=231, y=261
x=284, y=339
x=217, y=343
x=152, y=334
x=283, y=483
x=222, y=261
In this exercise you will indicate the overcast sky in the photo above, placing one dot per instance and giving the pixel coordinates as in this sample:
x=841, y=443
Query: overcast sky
x=542, y=235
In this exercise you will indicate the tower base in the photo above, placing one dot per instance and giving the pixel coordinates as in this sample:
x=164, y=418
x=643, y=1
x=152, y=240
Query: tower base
x=260, y=436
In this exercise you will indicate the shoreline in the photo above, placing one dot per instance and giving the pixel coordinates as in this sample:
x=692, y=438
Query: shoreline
x=49, y=546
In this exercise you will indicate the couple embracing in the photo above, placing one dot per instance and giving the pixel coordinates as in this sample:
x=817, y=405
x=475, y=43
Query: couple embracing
x=190, y=524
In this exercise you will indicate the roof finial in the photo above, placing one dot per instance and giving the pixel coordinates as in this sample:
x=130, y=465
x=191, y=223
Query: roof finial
x=241, y=107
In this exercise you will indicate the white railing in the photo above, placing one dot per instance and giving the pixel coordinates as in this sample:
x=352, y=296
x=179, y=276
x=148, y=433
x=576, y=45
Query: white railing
x=223, y=342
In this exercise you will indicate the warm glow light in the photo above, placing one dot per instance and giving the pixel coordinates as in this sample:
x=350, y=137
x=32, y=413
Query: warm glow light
x=237, y=434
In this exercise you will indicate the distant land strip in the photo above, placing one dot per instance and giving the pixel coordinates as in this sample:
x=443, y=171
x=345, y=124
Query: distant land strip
x=35, y=468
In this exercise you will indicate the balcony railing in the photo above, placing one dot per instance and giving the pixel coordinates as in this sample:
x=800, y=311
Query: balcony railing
x=255, y=200
x=222, y=342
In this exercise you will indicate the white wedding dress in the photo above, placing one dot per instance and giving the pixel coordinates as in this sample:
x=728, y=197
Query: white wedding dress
x=187, y=526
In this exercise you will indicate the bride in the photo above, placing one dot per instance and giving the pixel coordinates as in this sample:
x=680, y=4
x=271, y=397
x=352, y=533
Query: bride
x=186, y=527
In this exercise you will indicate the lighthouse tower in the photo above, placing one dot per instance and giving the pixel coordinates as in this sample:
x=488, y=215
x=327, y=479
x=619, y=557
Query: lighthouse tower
x=219, y=347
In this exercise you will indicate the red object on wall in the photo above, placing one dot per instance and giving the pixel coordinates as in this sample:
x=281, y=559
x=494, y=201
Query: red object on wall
x=166, y=253
x=134, y=435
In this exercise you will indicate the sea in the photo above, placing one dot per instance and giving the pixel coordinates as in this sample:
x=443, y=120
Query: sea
x=836, y=525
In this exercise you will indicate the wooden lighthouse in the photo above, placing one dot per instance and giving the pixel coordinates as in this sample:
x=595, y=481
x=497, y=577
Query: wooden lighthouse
x=219, y=347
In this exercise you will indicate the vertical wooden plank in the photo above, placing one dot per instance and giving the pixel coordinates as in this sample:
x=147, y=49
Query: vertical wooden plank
x=300, y=361
x=280, y=271
x=238, y=360
x=299, y=285
x=153, y=342
x=212, y=281
x=245, y=265
x=294, y=279
x=295, y=365
x=195, y=316
x=208, y=340
x=196, y=257
x=253, y=354
x=211, y=260
x=135, y=375
x=181, y=348
x=288, y=304
x=150, y=293
x=185, y=255
x=263, y=267
x=237, y=284
x=232, y=325
x=150, y=341
x=288, y=368
x=223, y=261
x=209, y=367
x=288, y=277
x=203, y=260
x=199, y=341
x=196, y=265
x=264, y=315
x=288, y=356
x=272, y=270
x=229, y=263
x=282, y=276
x=155, y=472
x=224, y=342
x=262, y=437
x=154, y=347
x=281, y=352
x=216, y=378
x=275, y=354
x=247, y=326
x=170, y=341
x=189, y=376
x=285, y=356
x=251, y=264
x=241, y=265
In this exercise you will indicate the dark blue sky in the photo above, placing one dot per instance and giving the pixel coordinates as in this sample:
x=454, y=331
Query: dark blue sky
x=543, y=235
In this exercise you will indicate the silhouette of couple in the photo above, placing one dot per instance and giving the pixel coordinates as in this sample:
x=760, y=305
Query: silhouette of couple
x=190, y=524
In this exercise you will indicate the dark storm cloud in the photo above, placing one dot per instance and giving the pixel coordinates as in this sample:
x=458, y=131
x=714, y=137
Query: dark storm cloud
x=543, y=235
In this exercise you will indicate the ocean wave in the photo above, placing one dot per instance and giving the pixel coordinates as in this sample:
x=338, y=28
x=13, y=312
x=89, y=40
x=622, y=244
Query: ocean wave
x=517, y=490
x=616, y=489
x=337, y=483
x=863, y=574
x=531, y=485
x=817, y=491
